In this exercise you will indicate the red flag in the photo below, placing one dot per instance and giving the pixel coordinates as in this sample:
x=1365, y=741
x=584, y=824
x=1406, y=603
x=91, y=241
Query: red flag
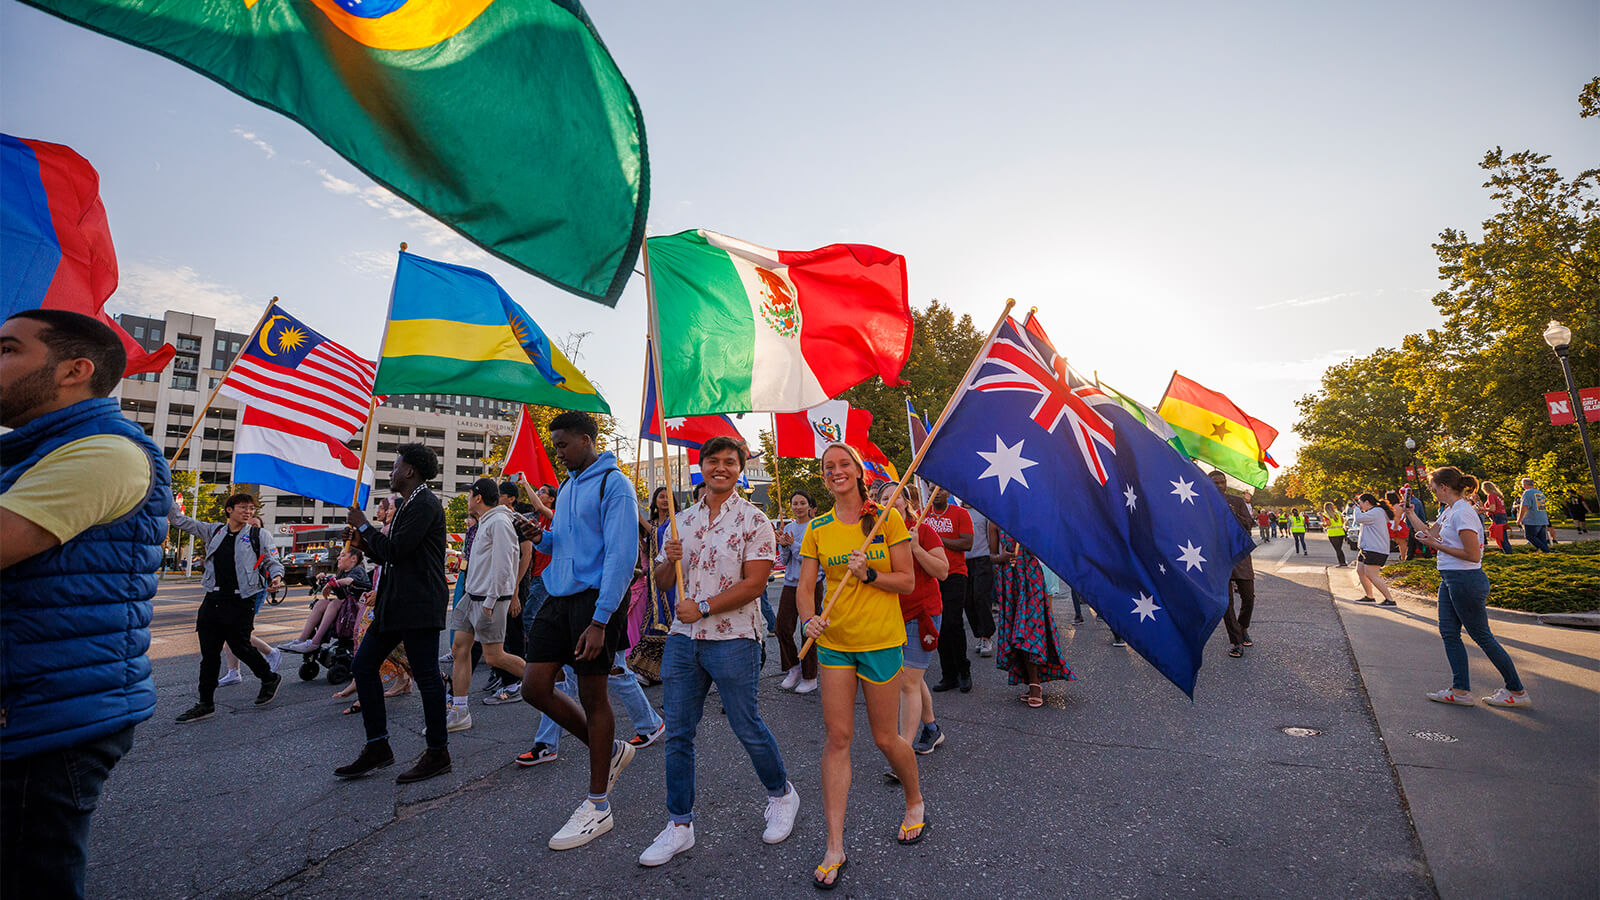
x=57, y=249
x=526, y=454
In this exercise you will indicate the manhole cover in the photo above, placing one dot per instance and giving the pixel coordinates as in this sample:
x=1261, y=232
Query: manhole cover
x=1437, y=737
x=1296, y=731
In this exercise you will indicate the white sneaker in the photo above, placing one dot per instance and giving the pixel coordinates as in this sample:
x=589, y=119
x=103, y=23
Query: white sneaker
x=1504, y=697
x=274, y=658
x=790, y=679
x=229, y=677
x=780, y=816
x=305, y=646
x=621, y=755
x=672, y=840
x=447, y=657
x=457, y=718
x=586, y=824
x=806, y=686
x=986, y=647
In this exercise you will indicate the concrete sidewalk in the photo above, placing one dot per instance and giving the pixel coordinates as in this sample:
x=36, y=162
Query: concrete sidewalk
x=1506, y=803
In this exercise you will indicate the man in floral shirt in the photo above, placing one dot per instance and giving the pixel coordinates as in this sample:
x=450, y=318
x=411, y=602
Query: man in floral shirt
x=725, y=549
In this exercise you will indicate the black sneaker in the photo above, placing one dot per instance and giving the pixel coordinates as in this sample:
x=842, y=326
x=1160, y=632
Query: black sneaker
x=1368, y=600
x=540, y=754
x=269, y=689
x=375, y=755
x=196, y=712
x=965, y=682
x=1387, y=603
x=496, y=682
x=945, y=685
x=429, y=764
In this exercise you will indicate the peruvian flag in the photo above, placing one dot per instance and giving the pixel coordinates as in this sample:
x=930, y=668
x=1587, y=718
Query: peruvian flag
x=805, y=434
x=526, y=455
x=752, y=329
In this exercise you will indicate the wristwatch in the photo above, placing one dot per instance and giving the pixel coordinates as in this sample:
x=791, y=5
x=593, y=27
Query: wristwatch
x=704, y=607
x=872, y=575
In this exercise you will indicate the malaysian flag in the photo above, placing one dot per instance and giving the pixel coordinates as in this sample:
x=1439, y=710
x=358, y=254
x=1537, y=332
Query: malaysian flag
x=293, y=373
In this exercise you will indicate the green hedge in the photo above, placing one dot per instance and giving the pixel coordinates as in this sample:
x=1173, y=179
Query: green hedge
x=1566, y=580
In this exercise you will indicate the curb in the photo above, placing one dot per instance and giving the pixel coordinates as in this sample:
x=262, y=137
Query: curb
x=1561, y=620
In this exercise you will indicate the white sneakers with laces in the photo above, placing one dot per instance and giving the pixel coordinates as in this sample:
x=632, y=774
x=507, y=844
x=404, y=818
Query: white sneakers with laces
x=456, y=718
x=1504, y=697
x=780, y=816
x=790, y=679
x=1452, y=697
x=806, y=686
x=229, y=677
x=586, y=824
x=672, y=840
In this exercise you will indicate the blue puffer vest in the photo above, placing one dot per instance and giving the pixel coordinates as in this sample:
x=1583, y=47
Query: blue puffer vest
x=75, y=620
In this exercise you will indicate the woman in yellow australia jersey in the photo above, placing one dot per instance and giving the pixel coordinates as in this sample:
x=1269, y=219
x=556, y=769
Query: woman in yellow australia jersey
x=858, y=643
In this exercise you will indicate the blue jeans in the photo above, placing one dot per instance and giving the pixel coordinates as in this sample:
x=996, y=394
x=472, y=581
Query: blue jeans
x=46, y=801
x=625, y=687
x=1463, y=603
x=1538, y=536
x=768, y=613
x=1300, y=541
x=688, y=668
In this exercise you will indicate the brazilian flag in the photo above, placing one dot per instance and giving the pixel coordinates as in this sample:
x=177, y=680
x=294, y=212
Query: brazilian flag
x=505, y=119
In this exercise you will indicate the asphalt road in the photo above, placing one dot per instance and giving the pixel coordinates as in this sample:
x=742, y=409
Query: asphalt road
x=1118, y=787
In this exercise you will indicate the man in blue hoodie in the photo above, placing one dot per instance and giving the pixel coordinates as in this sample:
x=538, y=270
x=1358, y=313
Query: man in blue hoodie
x=83, y=504
x=593, y=544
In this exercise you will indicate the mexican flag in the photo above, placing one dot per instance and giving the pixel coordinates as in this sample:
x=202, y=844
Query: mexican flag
x=746, y=328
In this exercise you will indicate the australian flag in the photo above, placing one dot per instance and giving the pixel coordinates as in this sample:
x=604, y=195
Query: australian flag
x=1139, y=530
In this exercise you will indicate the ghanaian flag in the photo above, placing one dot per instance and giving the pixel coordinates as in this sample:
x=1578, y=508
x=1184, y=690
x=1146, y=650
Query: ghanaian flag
x=1214, y=430
x=454, y=330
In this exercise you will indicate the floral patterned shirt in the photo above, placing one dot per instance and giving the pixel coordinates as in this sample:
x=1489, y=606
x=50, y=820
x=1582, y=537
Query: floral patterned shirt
x=714, y=554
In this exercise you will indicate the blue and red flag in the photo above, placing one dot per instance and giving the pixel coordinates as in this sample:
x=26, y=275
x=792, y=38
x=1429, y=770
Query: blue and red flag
x=1095, y=495
x=687, y=431
x=55, y=242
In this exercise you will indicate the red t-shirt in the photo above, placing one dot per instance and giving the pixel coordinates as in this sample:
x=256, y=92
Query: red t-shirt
x=924, y=598
x=952, y=523
x=540, y=560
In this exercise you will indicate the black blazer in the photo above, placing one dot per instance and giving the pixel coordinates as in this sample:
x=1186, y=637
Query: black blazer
x=411, y=591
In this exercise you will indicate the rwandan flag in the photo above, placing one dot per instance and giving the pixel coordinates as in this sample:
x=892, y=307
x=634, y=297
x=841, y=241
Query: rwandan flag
x=506, y=119
x=55, y=242
x=454, y=330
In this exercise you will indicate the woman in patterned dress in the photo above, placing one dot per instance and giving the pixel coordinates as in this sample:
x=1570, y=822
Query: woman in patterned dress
x=1026, y=636
x=645, y=660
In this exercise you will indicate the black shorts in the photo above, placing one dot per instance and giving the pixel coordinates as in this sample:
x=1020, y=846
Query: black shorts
x=559, y=624
x=1373, y=558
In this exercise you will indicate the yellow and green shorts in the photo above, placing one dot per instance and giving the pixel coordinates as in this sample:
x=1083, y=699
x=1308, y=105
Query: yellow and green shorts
x=876, y=666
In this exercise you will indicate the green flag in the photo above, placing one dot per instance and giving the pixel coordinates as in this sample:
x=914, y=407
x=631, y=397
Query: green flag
x=506, y=119
x=1148, y=416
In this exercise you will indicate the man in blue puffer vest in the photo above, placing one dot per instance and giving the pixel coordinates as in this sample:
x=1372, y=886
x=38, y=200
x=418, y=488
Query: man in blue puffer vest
x=83, y=503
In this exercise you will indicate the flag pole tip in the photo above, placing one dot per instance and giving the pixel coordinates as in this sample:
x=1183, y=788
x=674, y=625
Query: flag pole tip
x=1033, y=310
x=403, y=246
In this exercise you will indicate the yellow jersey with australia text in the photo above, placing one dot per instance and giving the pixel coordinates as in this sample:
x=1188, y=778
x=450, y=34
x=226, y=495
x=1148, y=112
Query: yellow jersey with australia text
x=865, y=617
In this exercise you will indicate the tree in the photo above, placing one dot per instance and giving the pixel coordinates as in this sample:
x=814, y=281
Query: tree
x=455, y=514
x=1355, y=427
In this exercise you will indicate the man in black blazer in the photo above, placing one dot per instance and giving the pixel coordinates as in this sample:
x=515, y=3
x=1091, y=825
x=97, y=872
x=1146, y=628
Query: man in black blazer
x=411, y=603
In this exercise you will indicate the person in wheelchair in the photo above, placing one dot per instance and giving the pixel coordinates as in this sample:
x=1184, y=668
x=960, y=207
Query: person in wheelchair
x=350, y=581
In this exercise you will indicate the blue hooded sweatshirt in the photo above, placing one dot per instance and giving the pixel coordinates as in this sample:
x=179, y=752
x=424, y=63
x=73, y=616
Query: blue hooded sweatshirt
x=593, y=544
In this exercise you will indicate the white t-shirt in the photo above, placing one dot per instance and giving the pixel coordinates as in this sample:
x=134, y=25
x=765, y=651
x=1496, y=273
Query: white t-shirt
x=1458, y=518
x=1374, y=529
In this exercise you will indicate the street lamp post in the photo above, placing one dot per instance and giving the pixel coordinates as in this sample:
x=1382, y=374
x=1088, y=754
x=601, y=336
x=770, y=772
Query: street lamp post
x=1411, y=456
x=1559, y=337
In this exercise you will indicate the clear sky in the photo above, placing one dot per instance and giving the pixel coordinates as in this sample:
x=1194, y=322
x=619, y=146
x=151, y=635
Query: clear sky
x=1243, y=191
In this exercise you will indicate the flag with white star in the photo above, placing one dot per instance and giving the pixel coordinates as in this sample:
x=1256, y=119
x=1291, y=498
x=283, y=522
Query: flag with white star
x=1103, y=501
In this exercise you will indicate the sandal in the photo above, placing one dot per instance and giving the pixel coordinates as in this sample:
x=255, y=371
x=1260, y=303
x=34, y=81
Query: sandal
x=920, y=828
x=1033, y=701
x=352, y=709
x=837, y=870
x=1236, y=651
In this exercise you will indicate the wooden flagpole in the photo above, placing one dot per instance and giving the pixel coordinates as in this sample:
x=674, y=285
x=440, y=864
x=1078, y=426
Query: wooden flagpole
x=265, y=314
x=644, y=396
x=372, y=408
x=661, y=401
x=916, y=461
x=777, y=480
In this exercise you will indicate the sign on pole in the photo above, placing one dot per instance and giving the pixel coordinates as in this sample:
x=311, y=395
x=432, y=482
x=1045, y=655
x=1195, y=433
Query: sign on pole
x=1560, y=406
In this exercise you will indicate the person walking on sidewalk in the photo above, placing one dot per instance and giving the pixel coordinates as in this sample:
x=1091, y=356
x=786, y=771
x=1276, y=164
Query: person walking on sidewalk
x=1028, y=651
x=1578, y=511
x=1264, y=520
x=409, y=609
x=799, y=675
x=1297, y=529
x=1494, y=503
x=1373, y=517
x=593, y=543
x=84, y=495
x=859, y=644
x=1334, y=523
x=726, y=548
x=1464, y=590
x=1534, y=517
x=234, y=586
x=954, y=527
x=491, y=598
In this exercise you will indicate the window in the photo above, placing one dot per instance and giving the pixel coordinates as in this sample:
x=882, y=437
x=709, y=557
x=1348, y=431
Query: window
x=138, y=332
x=233, y=347
x=214, y=383
x=183, y=382
x=222, y=345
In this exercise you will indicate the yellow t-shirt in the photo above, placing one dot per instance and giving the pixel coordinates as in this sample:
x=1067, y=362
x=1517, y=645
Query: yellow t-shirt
x=866, y=617
x=87, y=482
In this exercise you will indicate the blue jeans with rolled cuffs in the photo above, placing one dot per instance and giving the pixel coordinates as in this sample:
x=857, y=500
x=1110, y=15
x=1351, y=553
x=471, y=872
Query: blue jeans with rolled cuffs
x=1464, y=603
x=688, y=669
